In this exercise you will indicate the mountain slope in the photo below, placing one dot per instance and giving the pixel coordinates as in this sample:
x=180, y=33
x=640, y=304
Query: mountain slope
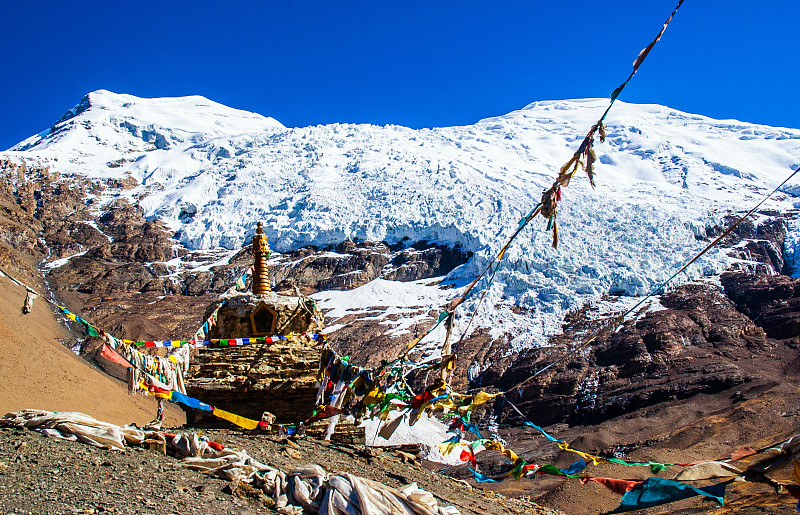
x=38, y=372
x=132, y=227
x=666, y=180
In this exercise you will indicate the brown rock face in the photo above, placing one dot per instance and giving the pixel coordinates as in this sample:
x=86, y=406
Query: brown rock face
x=126, y=256
x=33, y=203
x=350, y=265
x=704, y=342
x=694, y=346
x=773, y=301
x=142, y=316
x=763, y=245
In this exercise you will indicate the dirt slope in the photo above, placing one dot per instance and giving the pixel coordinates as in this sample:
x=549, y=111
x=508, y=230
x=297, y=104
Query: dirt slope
x=37, y=371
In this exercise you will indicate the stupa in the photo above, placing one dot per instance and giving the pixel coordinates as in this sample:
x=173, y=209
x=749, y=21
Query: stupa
x=277, y=375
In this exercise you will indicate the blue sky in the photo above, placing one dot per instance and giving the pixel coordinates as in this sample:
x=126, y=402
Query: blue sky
x=419, y=64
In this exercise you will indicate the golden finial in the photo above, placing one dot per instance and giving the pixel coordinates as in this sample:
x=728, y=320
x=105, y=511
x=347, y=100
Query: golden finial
x=261, y=254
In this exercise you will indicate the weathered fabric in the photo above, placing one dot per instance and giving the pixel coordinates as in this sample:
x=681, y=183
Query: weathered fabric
x=654, y=491
x=483, y=478
x=708, y=470
x=618, y=486
x=30, y=296
x=235, y=419
x=309, y=489
x=83, y=427
x=190, y=401
x=109, y=354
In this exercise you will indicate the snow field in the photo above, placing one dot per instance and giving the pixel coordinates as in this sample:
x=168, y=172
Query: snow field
x=664, y=178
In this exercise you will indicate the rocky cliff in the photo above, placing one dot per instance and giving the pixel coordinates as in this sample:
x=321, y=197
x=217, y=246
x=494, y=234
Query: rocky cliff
x=697, y=338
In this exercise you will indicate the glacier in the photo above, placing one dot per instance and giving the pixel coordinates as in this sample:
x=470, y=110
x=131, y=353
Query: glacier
x=665, y=180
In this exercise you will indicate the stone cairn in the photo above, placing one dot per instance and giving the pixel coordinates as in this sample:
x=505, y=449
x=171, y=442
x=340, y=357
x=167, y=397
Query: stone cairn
x=248, y=380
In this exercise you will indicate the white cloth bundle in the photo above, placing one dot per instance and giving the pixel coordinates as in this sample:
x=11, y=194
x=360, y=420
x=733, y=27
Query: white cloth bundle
x=306, y=489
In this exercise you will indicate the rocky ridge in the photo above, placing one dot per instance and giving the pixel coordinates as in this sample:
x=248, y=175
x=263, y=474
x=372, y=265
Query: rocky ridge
x=116, y=264
x=702, y=338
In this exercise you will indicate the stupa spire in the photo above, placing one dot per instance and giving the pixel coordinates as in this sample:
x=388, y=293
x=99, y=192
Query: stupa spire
x=261, y=254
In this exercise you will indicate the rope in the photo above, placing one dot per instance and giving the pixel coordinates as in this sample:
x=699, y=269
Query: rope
x=617, y=321
x=550, y=198
x=498, y=259
x=638, y=62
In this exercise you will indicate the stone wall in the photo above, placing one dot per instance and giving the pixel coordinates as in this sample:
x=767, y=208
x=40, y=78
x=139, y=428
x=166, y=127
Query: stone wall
x=247, y=380
x=276, y=377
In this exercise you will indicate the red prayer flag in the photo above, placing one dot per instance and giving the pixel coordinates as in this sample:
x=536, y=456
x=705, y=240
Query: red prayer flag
x=742, y=452
x=216, y=446
x=618, y=486
x=421, y=399
x=468, y=455
x=111, y=355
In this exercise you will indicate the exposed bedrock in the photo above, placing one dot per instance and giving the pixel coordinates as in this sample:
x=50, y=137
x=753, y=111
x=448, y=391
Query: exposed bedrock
x=346, y=266
x=694, y=346
x=708, y=339
x=759, y=246
x=772, y=301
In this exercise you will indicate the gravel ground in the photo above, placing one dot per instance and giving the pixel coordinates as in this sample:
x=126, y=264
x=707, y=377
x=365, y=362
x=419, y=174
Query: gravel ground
x=40, y=474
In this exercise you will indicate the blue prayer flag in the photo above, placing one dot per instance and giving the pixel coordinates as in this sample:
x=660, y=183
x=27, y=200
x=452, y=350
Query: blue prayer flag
x=546, y=435
x=190, y=401
x=575, y=467
x=655, y=490
x=481, y=478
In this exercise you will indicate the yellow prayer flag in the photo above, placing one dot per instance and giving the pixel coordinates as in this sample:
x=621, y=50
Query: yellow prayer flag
x=478, y=399
x=373, y=397
x=482, y=397
x=446, y=448
x=496, y=446
x=447, y=405
x=236, y=419
x=596, y=460
x=448, y=365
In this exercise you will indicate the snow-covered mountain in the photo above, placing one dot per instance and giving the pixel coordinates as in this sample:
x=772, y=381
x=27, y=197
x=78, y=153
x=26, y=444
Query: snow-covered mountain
x=665, y=179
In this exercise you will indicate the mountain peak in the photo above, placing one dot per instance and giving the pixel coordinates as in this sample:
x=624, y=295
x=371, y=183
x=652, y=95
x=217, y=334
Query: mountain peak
x=82, y=106
x=103, y=117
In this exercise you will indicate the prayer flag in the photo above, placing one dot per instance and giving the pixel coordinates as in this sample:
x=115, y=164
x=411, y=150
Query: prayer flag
x=575, y=467
x=190, y=401
x=654, y=491
x=482, y=478
x=111, y=355
x=468, y=455
x=618, y=486
x=546, y=435
x=236, y=419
